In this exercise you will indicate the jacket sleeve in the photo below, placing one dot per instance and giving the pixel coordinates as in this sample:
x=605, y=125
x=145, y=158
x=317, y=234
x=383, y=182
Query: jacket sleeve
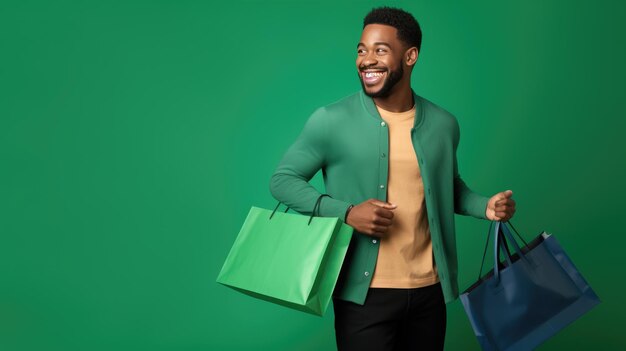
x=305, y=157
x=466, y=201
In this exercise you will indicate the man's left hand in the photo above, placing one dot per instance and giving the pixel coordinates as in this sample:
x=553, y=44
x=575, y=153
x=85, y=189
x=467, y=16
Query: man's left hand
x=501, y=207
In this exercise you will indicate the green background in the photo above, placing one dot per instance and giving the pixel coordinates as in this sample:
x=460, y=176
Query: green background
x=135, y=136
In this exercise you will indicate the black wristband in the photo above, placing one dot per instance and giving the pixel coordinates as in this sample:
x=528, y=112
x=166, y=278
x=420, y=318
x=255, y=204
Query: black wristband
x=345, y=220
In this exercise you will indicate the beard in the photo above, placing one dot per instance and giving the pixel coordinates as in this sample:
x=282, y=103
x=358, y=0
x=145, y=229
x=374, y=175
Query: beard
x=392, y=79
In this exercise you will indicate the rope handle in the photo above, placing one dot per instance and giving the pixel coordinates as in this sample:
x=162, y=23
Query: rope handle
x=315, y=208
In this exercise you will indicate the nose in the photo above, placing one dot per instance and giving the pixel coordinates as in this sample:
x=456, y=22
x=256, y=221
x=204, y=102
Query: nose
x=369, y=60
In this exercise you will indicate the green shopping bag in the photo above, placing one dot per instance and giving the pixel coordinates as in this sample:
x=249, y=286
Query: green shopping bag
x=288, y=259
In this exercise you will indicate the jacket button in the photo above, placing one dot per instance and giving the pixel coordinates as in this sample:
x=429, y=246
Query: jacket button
x=366, y=273
x=383, y=155
x=382, y=186
x=374, y=241
x=382, y=124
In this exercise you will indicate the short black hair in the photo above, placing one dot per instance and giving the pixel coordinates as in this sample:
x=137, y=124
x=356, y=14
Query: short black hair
x=408, y=29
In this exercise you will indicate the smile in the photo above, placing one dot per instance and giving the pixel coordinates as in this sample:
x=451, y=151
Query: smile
x=371, y=78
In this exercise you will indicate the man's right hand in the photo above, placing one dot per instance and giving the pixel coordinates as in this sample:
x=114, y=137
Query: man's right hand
x=372, y=217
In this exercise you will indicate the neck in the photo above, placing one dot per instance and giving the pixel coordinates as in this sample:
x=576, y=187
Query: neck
x=400, y=99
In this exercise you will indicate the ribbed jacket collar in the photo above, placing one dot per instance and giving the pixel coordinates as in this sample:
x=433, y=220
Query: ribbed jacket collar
x=370, y=106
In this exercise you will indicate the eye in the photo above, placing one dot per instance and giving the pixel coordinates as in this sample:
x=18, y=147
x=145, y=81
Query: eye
x=360, y=51
x=380, y=51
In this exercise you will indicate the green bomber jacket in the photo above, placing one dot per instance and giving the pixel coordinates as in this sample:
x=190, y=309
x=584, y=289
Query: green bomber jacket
x=349, y=142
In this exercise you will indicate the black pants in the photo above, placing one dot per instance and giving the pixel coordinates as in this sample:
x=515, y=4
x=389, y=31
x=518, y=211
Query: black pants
x=392, y=320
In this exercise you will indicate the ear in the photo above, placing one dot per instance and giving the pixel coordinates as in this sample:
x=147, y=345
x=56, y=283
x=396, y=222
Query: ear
x=410, y=56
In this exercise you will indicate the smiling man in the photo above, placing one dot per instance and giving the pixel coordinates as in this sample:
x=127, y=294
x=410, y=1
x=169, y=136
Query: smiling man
x=388, y=157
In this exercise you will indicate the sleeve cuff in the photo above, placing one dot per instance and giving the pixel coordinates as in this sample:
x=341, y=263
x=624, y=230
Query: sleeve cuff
x=480, y=208
x=330, y=207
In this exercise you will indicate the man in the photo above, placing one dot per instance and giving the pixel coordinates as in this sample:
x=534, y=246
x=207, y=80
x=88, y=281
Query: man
x=388, y=158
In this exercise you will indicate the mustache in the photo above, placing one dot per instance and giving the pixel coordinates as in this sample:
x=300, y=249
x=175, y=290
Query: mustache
x=363, y=68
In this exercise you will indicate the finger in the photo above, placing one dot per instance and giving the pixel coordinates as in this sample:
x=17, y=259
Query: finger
x=505, y=204
x=381, y=212
x=500, y=214
x=504, y=216
x=379, y=230
x=511, y=215
x=502, y=195
x=495, y=217
x=498, y=197
x=381, y=221
x=503, y=208
x=505, y=201
x=383, y=204
x=499, y=208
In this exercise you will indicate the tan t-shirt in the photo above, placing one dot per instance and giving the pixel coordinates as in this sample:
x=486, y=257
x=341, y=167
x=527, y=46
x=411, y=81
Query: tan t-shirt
x=405, y=258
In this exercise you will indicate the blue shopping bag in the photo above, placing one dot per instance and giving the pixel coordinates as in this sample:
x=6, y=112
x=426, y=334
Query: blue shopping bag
x=528, y=298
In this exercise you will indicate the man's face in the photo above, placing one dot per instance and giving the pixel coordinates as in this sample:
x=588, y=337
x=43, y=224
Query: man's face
x=379, y=60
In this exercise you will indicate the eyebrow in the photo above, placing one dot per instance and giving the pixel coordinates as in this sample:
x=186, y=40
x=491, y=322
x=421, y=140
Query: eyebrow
x=376, y=43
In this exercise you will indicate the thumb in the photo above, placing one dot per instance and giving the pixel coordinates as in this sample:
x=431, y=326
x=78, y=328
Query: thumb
x=383, y=204
x=501, y=196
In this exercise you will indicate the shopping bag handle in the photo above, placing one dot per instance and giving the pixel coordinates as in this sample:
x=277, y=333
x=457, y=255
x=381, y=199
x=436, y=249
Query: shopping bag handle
x=276, y=208
x=315, y=208
x=496, y=245
x=499, y=244
x=508, y=224
x=502, y=234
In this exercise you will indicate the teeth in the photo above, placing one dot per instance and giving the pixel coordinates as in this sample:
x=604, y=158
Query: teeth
x=373, y=74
